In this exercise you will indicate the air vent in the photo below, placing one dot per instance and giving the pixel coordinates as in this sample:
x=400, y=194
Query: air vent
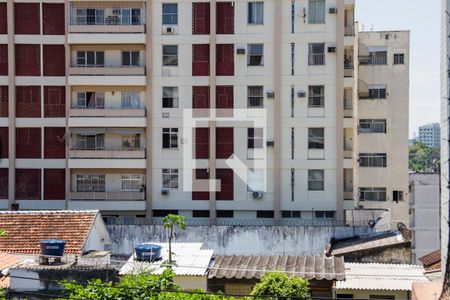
x=332, y=10
x=169, y=30
x=240, y=51
x=301, y=94
x=165, y=192
x=270, y=95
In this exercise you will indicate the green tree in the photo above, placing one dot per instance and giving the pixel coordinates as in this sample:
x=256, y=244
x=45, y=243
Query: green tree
x=171, y=223
x=2, y=232
x=423, y=158
x=278, y=284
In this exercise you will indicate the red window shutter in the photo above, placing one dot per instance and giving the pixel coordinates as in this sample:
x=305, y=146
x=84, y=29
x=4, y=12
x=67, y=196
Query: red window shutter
x=200, y=18
x=4, y=101
x=28, y=184
x=224, y=142
x=225, y=18
x=54, y=60
x=27, y=18
x=28, y=142
x=4, y=142
x=54, y=101
x=225, y=60
x=201, y=174
x=226, y=184
x=53, y=18
x=3, y=19
x=54, y=142
x=200, y=60
x=28, y=60
x=201, y=143
x=224, y=100
x=54, y=184
x=28, y=101
x=4, y=183
x=200, y=97
x=3, y=59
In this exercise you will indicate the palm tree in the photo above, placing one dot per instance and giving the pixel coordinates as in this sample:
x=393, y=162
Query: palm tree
x=171, y=223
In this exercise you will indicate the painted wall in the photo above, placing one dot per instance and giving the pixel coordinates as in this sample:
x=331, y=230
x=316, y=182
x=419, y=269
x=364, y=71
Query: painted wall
x=364, y=294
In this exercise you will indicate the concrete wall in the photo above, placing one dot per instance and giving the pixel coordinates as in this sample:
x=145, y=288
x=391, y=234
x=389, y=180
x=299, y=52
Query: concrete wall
x=239, y=240
x=364, y=294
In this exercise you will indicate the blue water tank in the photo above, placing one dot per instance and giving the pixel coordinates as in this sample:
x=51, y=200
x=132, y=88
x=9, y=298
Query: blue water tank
x=52, y=247
x=149, y=252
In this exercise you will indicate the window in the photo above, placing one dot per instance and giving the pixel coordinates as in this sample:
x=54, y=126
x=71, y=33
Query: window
x=256, y=13
x=89, y=16
x=170, y=55
x=161, y=213
x=131, y=141
x=131, y=100
x=90, y=100
x=316, y=12
x=399, y=59
x=397, y=196
x=372, y=126
x=89, y=141
x=265, y=214
x=255, y=55
x=377, y=91
x=130, y=58
x=255, y=96
x=170, y=14
x=200, y=213
x=225, y=213
x=291, y=214
x=372, y=194
x=316, y=180
x=372, y=160
x=316, y=138
x=124, y=16
x=255, y=138
x=316, y=54
x=170, y=97
x=132, y=183
x=90, y=58
x=170, y=138
x=378, y=57
x=170, y=178
x=316, y=97
x=324, y=214
x=382, y=297
x=90, y=182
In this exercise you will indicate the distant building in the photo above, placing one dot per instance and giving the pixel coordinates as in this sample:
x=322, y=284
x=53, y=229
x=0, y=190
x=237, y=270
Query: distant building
x=430, y=135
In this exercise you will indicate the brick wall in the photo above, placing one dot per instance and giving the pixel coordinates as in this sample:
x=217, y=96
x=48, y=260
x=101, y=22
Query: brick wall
x=225, y=18
x=54, y=101
x=54, y=142
x=3, y=101
x=54, y=60
x=4, y=59
x=4, y=143
x=225, y=60
x=28, y=60
x=54, y=184
x=3, y=19
x=28, y=101
x=28, y=184
x=202, y=143
x=226, y=184
x=4, y=183
x=200, y=18
x=53, y=18
x=27, y=18
x=224, y=142
x=201, y=174
x=200, y=60
x=28, y=142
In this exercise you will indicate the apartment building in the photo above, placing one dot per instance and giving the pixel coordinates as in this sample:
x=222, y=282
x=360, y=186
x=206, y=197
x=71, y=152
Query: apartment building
x=94, y=95
x=430, y=135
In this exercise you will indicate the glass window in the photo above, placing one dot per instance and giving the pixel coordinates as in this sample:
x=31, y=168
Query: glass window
x=316, y=54
x=170, y=138
x=90, y=58
x=316, y=12
x=132, y=141
x=372, y=194
x=89, y=141
x=170, y=97
x=324, y=214
x=126, y=16
x=91, y=100
x=372, y=126
x=372, y=160
x=132, y=183
x=316, y=96
x=256, y=13
x=90, y=182
x=170, y=14
x=316, y=138
x=255, y=55
x=397, y=196
x=170, y=178
x=170, y=55
x=399, y=59
x=255, y=96
x=378, y=57
x=316, y=180
x=136, y=16
x=130, y=58
x=131, y=100
x=255, y=138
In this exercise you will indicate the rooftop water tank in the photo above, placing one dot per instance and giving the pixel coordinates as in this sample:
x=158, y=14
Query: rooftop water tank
x=149, y=252
x=52, y=247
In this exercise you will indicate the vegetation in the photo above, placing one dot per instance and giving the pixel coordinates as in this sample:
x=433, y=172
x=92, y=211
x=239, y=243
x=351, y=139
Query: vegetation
x=171, y=223
x=423, y=158
x=2, y=232
x=278, y=284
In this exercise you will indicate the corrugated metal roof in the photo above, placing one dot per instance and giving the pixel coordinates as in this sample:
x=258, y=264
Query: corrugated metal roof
x=360, y=276
x=189, y=258
x=311, y=267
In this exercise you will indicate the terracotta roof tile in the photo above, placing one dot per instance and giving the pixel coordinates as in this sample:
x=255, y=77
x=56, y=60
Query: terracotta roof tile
x=24, y=229
x=8, y=260
x=431, y=258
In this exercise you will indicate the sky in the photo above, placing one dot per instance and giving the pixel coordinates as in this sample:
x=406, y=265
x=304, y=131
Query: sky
x=424, y=23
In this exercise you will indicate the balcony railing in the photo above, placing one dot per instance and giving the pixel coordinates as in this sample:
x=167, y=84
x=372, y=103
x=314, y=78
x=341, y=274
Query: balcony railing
x=348, y=195
x=107, y=196
x=316, y=59
x=106, y=28
x=348, y=153
x=107, y=112
x=131, y=153
x=106, y=71
x=349, y=30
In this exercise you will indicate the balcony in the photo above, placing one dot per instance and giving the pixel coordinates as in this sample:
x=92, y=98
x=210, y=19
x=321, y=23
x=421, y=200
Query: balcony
x=107, y=196
x=107, y=153
x=107, y=112
x=106, y=71
x=108, y=76
x=348, y=108
x=348, y=195
x=107, y=201
x=348, y=68
x=348, y=153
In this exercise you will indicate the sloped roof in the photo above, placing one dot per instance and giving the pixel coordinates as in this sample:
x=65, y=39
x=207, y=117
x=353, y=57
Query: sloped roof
x=248, y=267
x=371, y=276
x=24, y=229
x=431, y=258
x=7, y=261
x=189, y=258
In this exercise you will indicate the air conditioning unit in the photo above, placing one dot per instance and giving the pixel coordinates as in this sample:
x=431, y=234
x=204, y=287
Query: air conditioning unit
x=270, y=143
x=165, y=192
x=240, y=51
x=301, y=94
x=257, y=195
x=270, y=95
x=332, y=49
x=169, y=30
x=332, y=10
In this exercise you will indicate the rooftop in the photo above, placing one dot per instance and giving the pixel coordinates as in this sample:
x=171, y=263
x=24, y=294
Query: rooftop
x=7, y=261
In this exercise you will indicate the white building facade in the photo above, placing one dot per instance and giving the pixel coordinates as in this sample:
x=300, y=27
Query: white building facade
x=430, y=135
